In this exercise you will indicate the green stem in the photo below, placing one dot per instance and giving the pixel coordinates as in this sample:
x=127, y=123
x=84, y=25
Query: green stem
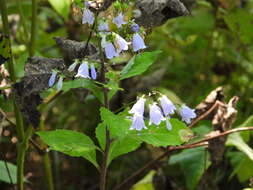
x=19, y=120
x=104, y=166
x=22, y=147
x=47, y=163
x=5, y=87
x=33, y=28
x=23, y=20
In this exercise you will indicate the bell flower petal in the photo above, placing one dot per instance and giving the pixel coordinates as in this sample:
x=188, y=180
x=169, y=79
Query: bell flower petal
x=119, y=20
x=120, y=44
x=138, y=42
x=138, y=107
x=187, y=114
x=88, y=17
x=83, y=70
x=93, y=72
x=52, y=78
x=59, y=84
x=155, y=115
x=138, y=122
x=110, y=50
x=167, y=106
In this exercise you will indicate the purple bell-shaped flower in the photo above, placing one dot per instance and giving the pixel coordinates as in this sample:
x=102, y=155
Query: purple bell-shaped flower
x=119, y=20
x=155, y=114
x=187, y=114
x=83, y=70
x=138, y=42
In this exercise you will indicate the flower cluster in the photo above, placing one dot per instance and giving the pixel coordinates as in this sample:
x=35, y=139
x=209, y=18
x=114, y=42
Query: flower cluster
x=85, y=70
x=158, y=114
x=112, y=43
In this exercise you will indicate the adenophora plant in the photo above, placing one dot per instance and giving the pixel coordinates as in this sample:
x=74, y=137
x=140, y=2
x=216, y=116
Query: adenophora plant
x=116, y=35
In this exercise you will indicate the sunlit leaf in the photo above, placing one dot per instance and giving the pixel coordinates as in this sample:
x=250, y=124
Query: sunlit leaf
x=71, y=143
x=4, y=176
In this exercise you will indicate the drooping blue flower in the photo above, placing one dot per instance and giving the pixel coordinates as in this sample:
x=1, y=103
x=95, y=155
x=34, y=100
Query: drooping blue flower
x=73, y=66
x=52, y=79
x=119, y=20
x=83, y=70
x=138, y=122
x=135, y=27
x=120, y=44
x=168, y=124
x=93, y=72
x=155, y=115
x=59, y=84
x=88, y=17
x=103, y=26
x=138, y=107
x=110, y=50
x=187, y=114
x=138, y=42
x=167, y=106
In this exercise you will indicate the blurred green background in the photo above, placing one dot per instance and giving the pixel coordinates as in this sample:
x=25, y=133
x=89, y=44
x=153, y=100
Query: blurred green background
x=211, y=47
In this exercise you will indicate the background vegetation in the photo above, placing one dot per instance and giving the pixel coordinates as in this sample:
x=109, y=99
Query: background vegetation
x=211, y=47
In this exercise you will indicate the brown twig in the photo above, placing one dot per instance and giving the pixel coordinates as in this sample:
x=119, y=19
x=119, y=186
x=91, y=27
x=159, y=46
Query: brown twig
x=129, y=181
x=204, y=115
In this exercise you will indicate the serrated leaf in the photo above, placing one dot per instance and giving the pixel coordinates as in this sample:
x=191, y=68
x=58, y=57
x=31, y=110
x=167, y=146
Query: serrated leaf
x=139, y=64
x=4, y=174
x=192, y=162
x=71, y=143
x=62, y=7
x=84, y=83
x=123, y=141
x=126, y=140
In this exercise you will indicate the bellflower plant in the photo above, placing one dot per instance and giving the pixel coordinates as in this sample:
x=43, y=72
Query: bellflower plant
x=187, y=114
x=138, y=107
x=93, y=72
x=83, y=70
x=138, y=42
x=120, y=44
x=167, y=106
x=52, y=79
x=155, y=114
x=59, y=83
x=88, y=16
x=119, y=20
x=138, y=122
x=103, y=26
x=73, y=66
x=110, y=50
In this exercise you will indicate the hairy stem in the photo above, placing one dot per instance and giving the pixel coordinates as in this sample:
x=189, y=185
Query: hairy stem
x=23, y=21
x=33, y=28
x=22, y=147
x=47, y=162
x=104, y=167
x=19, y=119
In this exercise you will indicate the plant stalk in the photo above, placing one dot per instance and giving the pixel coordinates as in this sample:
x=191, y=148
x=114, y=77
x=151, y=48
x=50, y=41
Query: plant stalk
x=33, y=28
x=22, y=147
x=104, y=166
x=47, y=162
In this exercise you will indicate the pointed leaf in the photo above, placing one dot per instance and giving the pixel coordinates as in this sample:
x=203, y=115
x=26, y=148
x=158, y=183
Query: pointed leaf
x=71, y=143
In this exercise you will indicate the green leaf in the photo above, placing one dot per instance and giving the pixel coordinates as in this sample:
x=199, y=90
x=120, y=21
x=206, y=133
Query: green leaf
x=139, y=64
x=192, y=163
x=100, y=135
x=161, y=136
x=4, y=174
x=5, y=51
x=123, y=140
x=243, y=166
x=146, y=183
x=246, y=134
x=126, y=140
x=71, y=143
x=236, y=140
x=62, y=7
x=84, y=83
